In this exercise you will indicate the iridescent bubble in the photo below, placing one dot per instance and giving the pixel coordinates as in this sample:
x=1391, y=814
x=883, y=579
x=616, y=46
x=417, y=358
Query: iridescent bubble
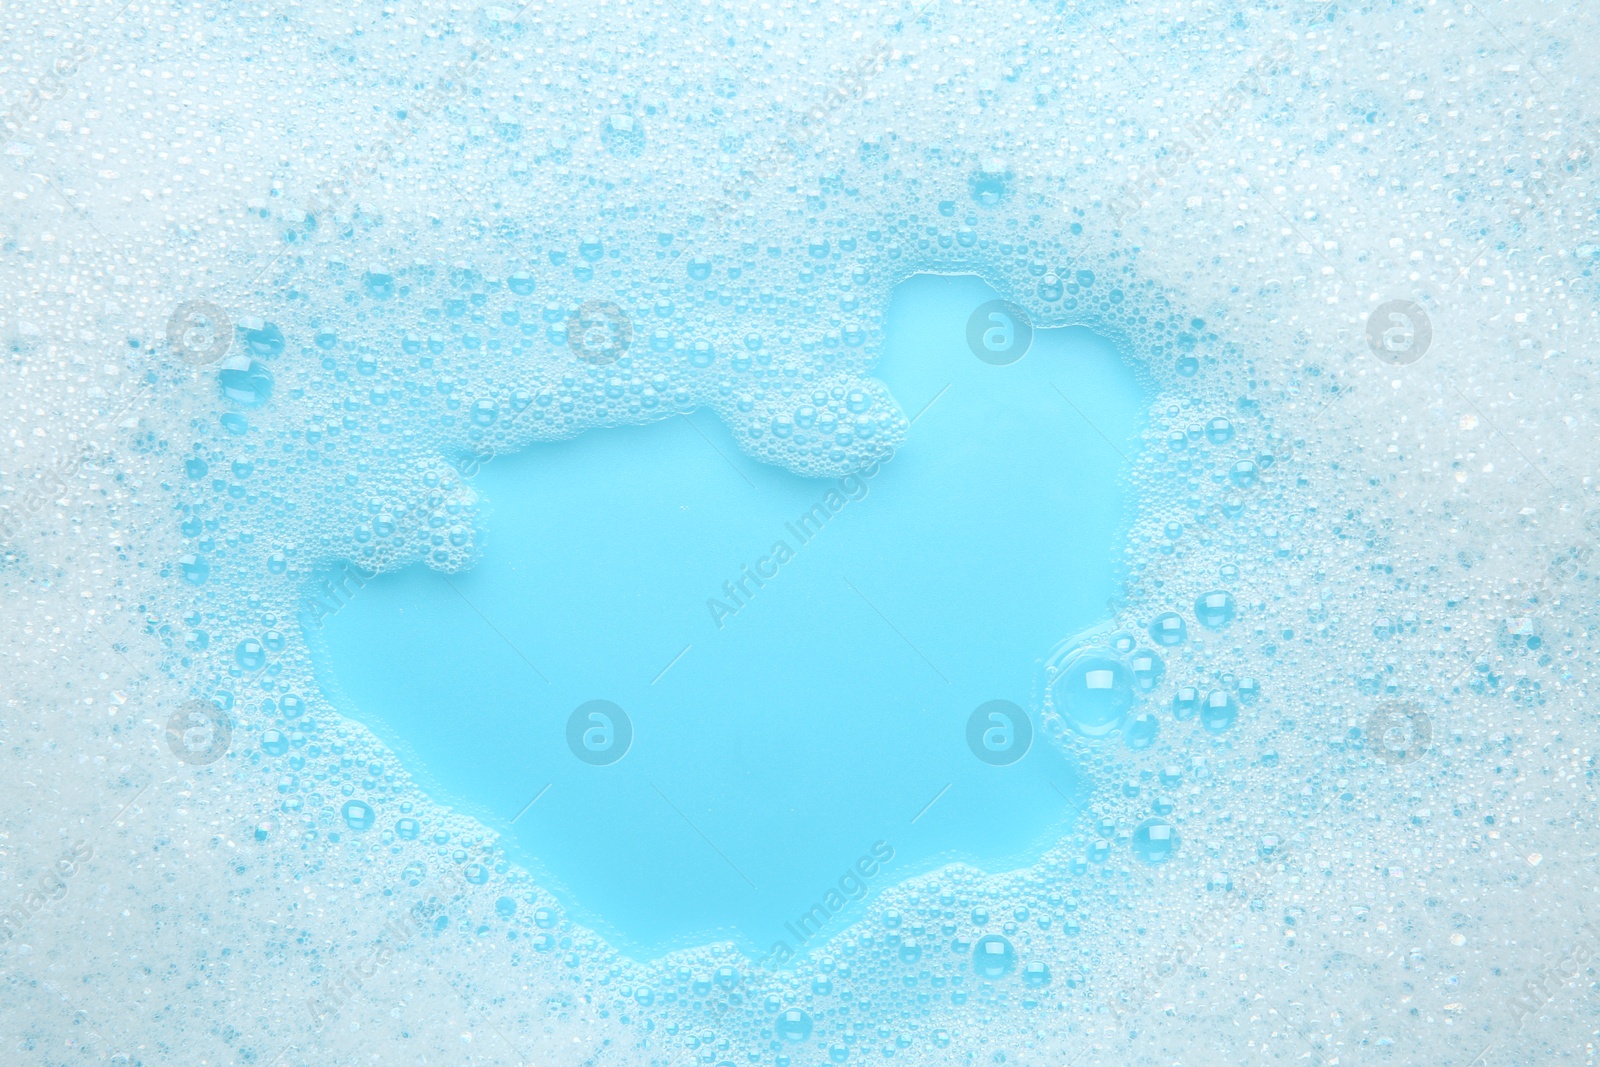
x=1148, y=669
x=1185, y=703
x=245, y=381
x=1155, y=841
x=1168, y=629
x=263, y=338
x=1141, y=730
x=249, y=655
x=1093, y=691
x=993, y=956
x=378, y=283
x=358, y=814
x=991, y=183
x=1219, y=711
x=1215, y=609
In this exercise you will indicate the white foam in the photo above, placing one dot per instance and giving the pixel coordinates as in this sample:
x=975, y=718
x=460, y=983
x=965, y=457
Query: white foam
x=1276, y=174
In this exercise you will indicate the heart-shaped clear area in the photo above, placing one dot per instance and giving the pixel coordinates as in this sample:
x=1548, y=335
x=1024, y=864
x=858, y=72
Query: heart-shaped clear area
x=705, y=698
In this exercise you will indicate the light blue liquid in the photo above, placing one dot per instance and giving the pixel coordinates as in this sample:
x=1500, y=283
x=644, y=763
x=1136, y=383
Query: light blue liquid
x=831, y=709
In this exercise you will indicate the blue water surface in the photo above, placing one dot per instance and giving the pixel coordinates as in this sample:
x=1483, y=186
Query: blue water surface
x=776, y=746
